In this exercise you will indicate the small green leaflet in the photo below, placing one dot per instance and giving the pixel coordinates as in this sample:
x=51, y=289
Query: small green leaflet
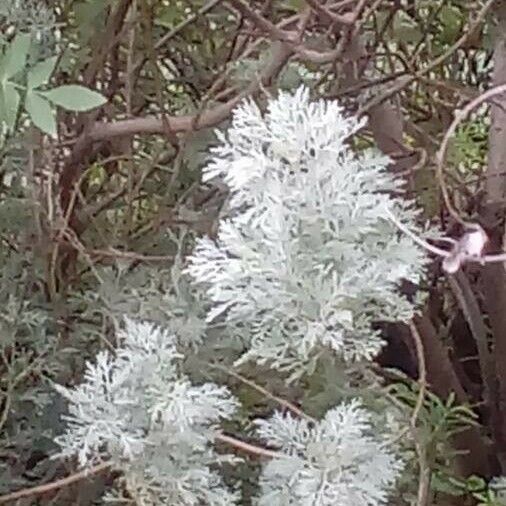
x=41, y=113
x=14, y=58
x=74, y=97
x=41, y=73
x=11, y=103
x=12, y=62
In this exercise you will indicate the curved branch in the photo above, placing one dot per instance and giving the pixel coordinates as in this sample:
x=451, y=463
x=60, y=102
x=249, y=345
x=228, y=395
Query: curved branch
x=441, y=154
x=54, y=485
x=100, y=131
x=258, y=451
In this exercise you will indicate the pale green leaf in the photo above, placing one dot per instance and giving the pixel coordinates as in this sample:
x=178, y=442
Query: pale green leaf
x=74, y=97
x=40, y=73
x=11, y=105
x=14, y=59
x=3, y=112
x=41, y=113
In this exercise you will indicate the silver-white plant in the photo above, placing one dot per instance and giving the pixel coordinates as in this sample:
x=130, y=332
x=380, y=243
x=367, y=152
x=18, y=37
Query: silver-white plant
x=342, y=460
x=307, y=261
x=309, y=258
x=136, y=408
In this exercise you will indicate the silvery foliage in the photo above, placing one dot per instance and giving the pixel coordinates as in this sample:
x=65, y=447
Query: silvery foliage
x=163, y=295
x=342, y=460
x=137, y=408
x=307, y=259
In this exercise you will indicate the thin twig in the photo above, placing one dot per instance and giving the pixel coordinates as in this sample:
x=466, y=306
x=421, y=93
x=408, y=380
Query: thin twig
x=429, y=247
x=484, y=259
x=424, y=474
x=48, y=487
x=247, y=447
x=407, y=80
x=264, y=24
x=466, y=299
x=181, y=26
x=422, y=373
x=283, y=402
x=54, y=485
x=344, y=19
x=460, y=116
x=130, y=255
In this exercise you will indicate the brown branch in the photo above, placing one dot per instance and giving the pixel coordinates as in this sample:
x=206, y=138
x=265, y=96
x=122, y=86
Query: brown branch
x=467, y=301
x=157, y=73
x=343, y=19
x=101, y=131
x=48, y=487
x=106, y=41
x=441, y=154
x=406, y=81
x=425, y=472
x=261, y=22
x=352, y=24
x=350, y=32
x=282, y=402
x=443, y=381
x=494, y=276
x=422, y=372
x=496, y=185
x=130, y=255
x=247, y=447
x=181, y=26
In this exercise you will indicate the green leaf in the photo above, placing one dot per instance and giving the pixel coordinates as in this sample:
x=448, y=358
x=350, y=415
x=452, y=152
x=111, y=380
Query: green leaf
x=451, y=23
x=10, y=105
x=293, y=5
x=41, y=112
x=3, y=111
x=40, y=73
x=476, y=483
x=14, y=59
x=445, y=485
x=405, y=29
x=74, y=97
x=169, y=16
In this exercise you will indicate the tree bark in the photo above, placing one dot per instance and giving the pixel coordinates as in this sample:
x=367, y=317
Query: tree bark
x=494, y=275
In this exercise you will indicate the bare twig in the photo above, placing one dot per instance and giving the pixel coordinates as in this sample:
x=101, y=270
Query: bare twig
x=48, y=487
x=424, y=244
x=283, y=402
x=484, y=259
x=264, y=24
x=422, y=373
x=460, y=116
x=129, y=255
x=424, y=469
x=247, y=447
x=101, y=131
x=344, y=19
x=467, y=301
x=91, y=471
x=188, y=21
x=407, y=80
